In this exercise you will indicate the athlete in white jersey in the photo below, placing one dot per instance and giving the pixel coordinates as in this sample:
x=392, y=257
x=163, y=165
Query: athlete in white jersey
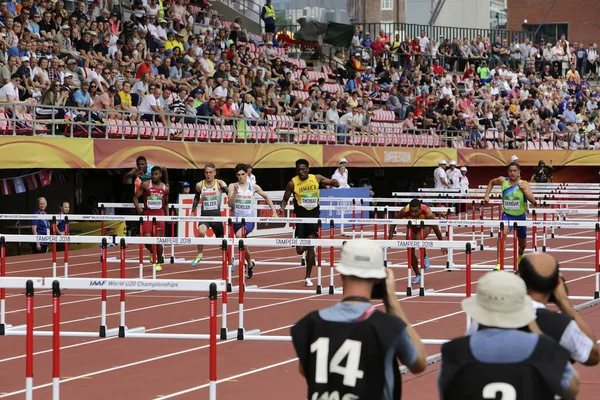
x=210, y=191
x=240, y=200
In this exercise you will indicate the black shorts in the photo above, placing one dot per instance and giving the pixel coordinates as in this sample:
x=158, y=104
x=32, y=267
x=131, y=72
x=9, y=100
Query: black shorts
x=217, y=228
x=269, y=28
x=303, y=231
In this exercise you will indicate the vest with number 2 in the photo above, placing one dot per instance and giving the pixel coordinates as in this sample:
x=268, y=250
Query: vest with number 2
x=535, y=378
x=513, y=200
x=306, y=192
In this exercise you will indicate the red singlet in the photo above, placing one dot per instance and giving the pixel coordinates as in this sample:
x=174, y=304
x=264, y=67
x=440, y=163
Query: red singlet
x=154, y=203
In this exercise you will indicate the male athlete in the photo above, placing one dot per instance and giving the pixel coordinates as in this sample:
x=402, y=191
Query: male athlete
x=417, y=210
x=305, y=188
x=515, y=194
x=240, y=200
x=156, y=195
x=210, y=190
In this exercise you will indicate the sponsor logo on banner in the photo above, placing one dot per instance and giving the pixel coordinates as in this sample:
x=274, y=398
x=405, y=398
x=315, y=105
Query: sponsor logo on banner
x=146, y=284
x=397, y=157
x=267, y=213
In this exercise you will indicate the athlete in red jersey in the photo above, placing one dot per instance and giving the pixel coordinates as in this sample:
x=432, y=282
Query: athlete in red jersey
x=156, y=195
x=417, y=210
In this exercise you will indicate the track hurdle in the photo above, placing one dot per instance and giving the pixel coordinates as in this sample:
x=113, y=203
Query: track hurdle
x=56, y=284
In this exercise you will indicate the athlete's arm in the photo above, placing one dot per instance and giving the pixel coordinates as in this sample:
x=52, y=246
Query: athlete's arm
x=257, y=189
x=289, y=190
x=325, y=181
x=526, y=189
x=436, y=228
x=139, y=194
x=399, y=215
x=490, y=186
x=134, y=172
x=166, y=200
x=222, y=185
x=166, y=175
x=231, y=195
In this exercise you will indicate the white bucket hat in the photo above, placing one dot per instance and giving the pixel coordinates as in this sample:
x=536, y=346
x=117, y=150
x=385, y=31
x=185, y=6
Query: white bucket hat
x=343, y=160
x=501, y=302
x=362, y=258
x=452, y=162
x=442, y=162
x=514, y=158
x=463, y=169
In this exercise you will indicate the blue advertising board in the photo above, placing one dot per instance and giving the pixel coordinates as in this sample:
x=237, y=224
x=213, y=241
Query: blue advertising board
x=343, y=207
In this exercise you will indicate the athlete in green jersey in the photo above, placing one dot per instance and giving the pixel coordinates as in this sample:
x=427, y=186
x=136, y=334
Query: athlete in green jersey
x=515, y=194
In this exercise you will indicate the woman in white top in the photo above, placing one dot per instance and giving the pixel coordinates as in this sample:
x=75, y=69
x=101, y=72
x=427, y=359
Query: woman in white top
x=240, y=200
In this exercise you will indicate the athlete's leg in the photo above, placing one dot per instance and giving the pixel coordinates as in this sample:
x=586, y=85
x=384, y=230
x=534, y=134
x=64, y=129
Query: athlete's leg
x=202, y=229
x=522, y=240
x=426, y=231
x=160, y=231
x=414, y=262
x=507, y=230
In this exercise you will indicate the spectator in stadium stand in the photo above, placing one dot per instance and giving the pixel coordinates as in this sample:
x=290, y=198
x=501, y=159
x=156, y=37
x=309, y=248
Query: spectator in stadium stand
x=370, y=340
x=40, y=227
x=440, y=178
x=185, y=188
x=64, y=209
x=541, y=274
x=542, y=174
x=341, y=174
x=508, y=355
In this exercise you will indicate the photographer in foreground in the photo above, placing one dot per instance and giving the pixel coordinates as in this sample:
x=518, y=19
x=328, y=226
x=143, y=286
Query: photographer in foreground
x=351, y=348
x=541, y=274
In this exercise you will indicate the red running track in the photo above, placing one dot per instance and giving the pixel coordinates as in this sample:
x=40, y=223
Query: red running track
x=159, y=368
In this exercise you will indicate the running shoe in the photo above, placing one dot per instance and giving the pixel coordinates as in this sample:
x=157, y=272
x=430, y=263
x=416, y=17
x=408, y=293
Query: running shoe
x=158, y=268
x=427, y=263
x=519, y=259
x=151, y=259
x=197, y=261
x=308, y=282
x=416, y=279
x=251, y=269
x=497, y=267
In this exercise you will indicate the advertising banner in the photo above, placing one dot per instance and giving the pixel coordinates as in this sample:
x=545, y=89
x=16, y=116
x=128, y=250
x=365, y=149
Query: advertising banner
x=19, y=152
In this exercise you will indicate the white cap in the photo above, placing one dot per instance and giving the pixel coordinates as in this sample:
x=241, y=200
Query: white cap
x=362, y=258
x=452, y=162
x=463, y=169
x=24, y=58
x=501, y=302
x=343, y=160
x=442, y=162
x=514, y=158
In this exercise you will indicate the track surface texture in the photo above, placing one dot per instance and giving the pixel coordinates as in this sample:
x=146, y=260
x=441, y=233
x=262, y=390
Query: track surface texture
x=169, y=368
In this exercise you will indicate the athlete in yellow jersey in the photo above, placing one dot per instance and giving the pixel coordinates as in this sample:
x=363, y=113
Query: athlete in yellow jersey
x=305, y=188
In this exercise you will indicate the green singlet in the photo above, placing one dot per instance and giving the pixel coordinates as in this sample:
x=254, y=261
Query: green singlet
x=513, y=200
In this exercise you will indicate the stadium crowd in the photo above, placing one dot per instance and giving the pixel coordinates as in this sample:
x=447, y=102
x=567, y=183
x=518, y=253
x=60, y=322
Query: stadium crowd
x=173, y=62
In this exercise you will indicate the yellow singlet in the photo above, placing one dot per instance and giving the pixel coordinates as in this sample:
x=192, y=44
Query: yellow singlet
x=306, y=193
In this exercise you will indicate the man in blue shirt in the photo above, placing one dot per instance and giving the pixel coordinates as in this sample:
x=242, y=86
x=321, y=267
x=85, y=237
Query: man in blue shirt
x=40, y=227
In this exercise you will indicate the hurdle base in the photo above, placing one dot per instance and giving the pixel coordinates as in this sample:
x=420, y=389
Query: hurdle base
x=236, y=288
x=225, y=335
x=242, y=333
x=331, y=290
x=596, y=295
x=123, y=331
x=319, y=289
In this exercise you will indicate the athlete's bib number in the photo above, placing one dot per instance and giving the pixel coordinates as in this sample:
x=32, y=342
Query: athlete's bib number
x=350, y=351
x=512, y=205
x=309, y=202
x=506, y=390
x=154, y=204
